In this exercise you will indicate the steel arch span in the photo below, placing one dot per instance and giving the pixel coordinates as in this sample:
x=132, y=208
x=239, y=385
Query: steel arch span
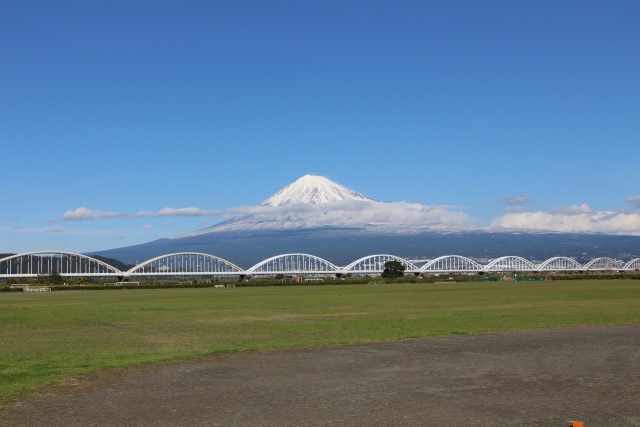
x=374, y=264
x=185, y=263
x=634, y=264
x=302, y=264
x=451, y=264
x=602, y=264
x=561, y=263
x=510, y=263
x=67, y=264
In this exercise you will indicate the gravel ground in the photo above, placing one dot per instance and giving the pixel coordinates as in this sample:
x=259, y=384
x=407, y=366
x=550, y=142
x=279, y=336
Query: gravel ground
x=532, y=378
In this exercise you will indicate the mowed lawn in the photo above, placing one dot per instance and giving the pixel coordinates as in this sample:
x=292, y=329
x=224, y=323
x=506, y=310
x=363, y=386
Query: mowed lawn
x=46, y=337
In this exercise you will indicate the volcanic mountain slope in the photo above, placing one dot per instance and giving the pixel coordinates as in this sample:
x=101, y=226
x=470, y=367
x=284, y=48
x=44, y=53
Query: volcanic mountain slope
x=342, y=246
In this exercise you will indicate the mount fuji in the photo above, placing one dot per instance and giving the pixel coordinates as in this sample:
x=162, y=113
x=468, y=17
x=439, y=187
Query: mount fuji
x=315, y=202
x=317, y=216
x=297, y=206
x=315, y=190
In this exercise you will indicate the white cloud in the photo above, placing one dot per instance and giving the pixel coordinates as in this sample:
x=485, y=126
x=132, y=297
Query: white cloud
x=398, y=217
x=146, y=226
x=84, y=214
x=344, y=213
x=633, y=199
x=515, y=200
x=574, y=219
x=176, y=212
x=515, y=208
x=390, y=217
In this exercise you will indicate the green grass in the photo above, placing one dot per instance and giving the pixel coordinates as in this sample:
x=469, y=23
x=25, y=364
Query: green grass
x=47, y=337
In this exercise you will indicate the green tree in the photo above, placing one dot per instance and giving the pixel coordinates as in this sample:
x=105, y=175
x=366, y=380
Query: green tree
x=53, y=278
x=393, y=269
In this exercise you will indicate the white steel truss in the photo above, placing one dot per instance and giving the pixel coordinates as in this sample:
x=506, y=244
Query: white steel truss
x=634, y=264
x=181, y=263
x=294, y=264
x=510, y=263
x=374, y=264
x=69, y=264
x=602, y=264
x=561, y=263
x=452, y=264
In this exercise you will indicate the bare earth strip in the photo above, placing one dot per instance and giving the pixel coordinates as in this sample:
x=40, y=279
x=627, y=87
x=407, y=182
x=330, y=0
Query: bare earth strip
x=532, y=378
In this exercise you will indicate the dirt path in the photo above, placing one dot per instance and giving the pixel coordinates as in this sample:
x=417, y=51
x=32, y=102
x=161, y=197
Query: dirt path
x=534, y=378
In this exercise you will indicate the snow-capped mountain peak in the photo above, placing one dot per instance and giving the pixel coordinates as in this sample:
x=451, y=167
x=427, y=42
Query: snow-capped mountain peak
x=312, y=189
x=315, y=202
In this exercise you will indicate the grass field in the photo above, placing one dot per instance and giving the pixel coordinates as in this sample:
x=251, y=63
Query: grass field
x=46, y=337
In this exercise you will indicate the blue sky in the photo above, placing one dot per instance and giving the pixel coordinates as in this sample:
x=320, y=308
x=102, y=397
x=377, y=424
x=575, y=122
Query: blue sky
x=518, y=114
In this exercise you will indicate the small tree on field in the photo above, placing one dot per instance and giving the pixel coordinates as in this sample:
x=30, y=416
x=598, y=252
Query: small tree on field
x=393, y=269
x=53, y=278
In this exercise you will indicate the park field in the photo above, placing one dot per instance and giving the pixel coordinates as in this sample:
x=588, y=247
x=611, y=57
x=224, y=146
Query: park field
x=47, y=337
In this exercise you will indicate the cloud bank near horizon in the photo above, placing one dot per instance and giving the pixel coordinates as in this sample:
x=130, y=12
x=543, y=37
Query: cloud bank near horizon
x=344, y=212
x=574, y=219
x=398, y=216
x=633, y=199
x=86, y=214
x=518, y=200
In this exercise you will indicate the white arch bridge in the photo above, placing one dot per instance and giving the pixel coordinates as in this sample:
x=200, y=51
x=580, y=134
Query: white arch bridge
x=194, y=264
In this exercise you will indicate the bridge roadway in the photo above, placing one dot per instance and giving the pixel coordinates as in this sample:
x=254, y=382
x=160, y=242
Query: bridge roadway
x=194, y=264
